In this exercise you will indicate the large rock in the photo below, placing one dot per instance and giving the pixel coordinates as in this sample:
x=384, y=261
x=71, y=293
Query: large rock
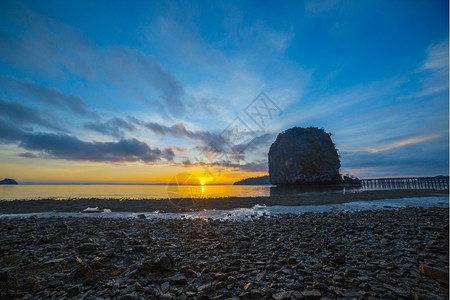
x=304, y=156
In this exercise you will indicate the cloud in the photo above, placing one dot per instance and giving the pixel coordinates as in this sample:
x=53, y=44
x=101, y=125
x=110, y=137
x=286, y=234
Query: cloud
x=178, y=149
x=18, y=113
x=437, y=57
x=405, y=142
x=62, y=146
x=54, y=49
x=133, y=69
x=28, y=155
x=113, y=127
x=433, y=71
x=213, y=142
x=46, y=95
x=218, y=166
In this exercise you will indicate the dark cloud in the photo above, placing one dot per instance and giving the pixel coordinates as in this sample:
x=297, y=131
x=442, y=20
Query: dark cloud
x=113, y=127
x=216, y=166
x=212, y=141
x=62, y=146
x=28, y=155
x=46, y=95
x=18, y=113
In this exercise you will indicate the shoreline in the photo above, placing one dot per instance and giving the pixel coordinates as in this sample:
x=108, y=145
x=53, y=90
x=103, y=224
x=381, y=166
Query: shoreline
x=387, y=254
x=198, y=204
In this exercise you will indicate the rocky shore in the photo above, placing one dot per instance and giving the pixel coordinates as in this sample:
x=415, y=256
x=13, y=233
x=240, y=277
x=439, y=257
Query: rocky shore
x=389, y=254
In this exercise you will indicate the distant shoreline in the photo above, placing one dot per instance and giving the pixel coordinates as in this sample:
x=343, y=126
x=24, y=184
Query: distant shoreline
x=185, y=205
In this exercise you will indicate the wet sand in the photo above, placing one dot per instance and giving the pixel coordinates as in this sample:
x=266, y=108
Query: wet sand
x=184, y=205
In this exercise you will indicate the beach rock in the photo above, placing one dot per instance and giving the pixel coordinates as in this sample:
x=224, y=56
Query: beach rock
x=248, y=287
x=242, y=267
x=164, y=262
x=435, y=273
x=314, y=294
x=282, y=295
x=221, y=285
x=129, y=297
x=177, y=279
x=87, y=247
x=190, y=273
x=73, y=290
x=304, y=156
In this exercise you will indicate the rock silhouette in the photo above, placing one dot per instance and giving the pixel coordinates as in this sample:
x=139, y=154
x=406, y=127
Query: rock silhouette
x=304, y=156
x=262, y=180
x=8, y=181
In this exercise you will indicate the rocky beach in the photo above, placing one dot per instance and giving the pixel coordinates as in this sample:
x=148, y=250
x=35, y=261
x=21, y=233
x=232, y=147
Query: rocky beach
x=388, y=254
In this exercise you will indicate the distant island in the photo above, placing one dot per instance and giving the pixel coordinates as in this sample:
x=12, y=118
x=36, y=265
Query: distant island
x=262, y=180
x=8, y=181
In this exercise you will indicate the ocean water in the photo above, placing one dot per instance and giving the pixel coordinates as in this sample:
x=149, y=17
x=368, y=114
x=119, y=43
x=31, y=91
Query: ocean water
x=25, y=191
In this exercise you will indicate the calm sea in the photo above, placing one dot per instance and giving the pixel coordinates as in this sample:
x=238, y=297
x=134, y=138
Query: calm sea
x=26, y=191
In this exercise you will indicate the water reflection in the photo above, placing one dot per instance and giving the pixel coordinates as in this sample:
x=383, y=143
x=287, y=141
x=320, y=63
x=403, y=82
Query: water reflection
x=307, y=189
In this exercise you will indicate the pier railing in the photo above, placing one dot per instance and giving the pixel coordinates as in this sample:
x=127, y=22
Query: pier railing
x=433, y=183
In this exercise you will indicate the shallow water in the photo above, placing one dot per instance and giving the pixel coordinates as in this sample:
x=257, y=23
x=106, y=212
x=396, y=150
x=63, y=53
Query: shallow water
x=260, y=210
x=25, y=191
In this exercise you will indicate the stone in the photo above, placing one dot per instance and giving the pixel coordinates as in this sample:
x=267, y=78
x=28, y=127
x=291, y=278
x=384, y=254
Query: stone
x=83, y=271
x=206, y=287
x=54, y=261
x=314, y=294
x=73, y=290
x=291, y=260
x=435, y=273
x=55, y=283
x=87, y=247
x=304, y=156
x=129, y=297
x=248, y=287
x=165, y=287
x=339, y=259
x=220, y=285
x=190, y=273
x=282, y=295
x=164, y=262
x=177, y=280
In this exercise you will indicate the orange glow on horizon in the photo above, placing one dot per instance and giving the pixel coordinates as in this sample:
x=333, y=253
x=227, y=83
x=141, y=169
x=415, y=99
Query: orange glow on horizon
x=58, y=171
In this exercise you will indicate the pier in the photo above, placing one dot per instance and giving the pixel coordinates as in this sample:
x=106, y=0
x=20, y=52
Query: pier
x=410, y=183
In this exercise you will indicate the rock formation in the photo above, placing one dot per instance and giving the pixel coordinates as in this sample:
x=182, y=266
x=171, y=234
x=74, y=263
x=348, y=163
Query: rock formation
x=304, y=156
x=8, y=181
x=262, y=180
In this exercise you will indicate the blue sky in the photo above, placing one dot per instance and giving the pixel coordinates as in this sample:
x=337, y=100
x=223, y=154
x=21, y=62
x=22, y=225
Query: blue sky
x=95, y=87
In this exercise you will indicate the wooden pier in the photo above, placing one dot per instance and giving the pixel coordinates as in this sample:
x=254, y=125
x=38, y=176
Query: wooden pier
x=409, y=183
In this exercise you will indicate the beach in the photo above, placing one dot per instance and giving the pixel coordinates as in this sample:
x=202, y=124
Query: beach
x=389, y=254
x=198, y=204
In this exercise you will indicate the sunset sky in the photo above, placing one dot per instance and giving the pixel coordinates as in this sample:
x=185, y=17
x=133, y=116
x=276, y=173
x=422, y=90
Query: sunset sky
x=139, y=91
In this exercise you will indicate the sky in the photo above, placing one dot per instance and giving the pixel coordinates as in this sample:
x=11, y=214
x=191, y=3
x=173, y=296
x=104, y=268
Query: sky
x=143, y=91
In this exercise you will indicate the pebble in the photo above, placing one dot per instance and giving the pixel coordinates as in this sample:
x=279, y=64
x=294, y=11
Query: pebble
x=308, y=256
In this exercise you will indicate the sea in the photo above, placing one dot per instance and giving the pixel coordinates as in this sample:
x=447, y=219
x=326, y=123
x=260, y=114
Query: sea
x=166, y=192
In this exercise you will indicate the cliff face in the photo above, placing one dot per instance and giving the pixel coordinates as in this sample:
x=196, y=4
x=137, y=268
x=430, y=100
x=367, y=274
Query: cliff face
x=304, y=156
